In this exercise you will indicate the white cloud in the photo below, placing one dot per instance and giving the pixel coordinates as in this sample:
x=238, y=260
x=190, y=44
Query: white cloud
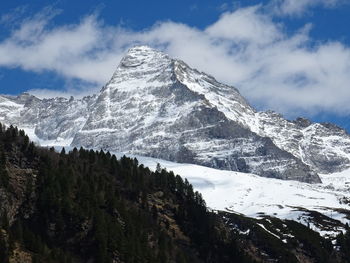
x=299, y=7
x=245, y=48
x=245, y=25
x=12, y=17
x=67, y=93
x=76, y=51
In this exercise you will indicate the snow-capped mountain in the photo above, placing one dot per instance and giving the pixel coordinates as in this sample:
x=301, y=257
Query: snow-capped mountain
x=160, y=107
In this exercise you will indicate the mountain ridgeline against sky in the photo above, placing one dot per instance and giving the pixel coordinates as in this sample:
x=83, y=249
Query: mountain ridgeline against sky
x=160, y=107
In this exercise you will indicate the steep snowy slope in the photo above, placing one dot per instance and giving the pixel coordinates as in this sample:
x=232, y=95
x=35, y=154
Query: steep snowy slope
x=324, y=207
x=324, y=147
x=57, y=119
x=10, y=111
x=158, y=106
x=151, y=107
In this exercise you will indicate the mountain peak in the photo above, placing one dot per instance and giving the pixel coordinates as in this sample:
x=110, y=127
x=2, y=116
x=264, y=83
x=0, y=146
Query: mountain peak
x=139, y=55
x=142, y=48
x=158, y=106
x=141, y=66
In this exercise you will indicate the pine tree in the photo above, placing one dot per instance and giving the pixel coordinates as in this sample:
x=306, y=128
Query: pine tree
x=63, y=152
x=4, y=176
x=158, y=168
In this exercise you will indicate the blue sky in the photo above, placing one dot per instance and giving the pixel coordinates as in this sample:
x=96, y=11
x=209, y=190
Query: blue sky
x=286, y=55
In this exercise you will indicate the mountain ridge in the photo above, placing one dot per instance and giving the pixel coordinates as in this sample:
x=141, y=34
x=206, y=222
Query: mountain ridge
x=160, y=107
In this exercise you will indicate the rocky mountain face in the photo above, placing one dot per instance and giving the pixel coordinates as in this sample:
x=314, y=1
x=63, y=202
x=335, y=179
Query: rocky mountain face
x=160, y=107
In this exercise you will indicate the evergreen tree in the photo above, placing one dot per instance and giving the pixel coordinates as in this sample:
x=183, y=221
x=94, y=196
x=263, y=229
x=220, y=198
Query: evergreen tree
x=4, y=176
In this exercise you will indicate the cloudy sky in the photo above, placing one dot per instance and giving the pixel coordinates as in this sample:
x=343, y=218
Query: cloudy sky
x=286, y=55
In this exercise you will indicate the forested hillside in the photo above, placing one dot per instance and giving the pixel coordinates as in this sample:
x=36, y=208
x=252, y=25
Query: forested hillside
x=89, y=206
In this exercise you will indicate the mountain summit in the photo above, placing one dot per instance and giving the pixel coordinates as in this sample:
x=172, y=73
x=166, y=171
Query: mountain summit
x=160, y=107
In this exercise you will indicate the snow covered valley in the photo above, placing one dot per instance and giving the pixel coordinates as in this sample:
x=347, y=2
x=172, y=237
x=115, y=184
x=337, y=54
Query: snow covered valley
x=324, y=207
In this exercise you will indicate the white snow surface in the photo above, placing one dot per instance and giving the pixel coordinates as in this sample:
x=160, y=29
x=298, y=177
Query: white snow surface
x=256, y=196
x=252, y=195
